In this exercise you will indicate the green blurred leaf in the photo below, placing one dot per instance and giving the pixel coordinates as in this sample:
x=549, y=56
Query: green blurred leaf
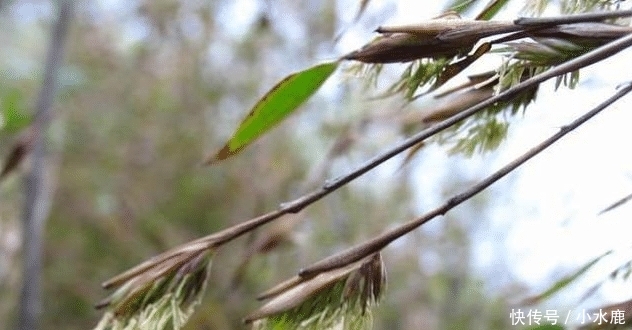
x=273, y=107
x=547, y=327
x=460, y=6
x=492, y=8
x=418, y=74
x=457, y=67
x=479, y=136
x=564, y=282
x=14, y=111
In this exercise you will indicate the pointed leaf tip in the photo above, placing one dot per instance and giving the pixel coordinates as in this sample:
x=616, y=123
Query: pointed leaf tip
x=285, y=97
x=222, y=154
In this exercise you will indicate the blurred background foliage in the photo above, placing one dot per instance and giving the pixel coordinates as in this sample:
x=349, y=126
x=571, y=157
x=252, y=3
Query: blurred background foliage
x=148, y=89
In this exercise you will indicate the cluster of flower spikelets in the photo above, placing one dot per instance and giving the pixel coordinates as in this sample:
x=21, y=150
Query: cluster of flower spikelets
x=336, y=299
x=163, y=291
x=160, y=293
x=440, y=49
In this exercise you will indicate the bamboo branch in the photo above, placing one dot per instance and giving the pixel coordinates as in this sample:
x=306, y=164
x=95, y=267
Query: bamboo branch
x=446, y=38
x=571, y=19
x=376, y=244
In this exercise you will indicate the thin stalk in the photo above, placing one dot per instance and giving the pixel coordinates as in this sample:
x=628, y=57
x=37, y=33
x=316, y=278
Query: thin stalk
x=376, y=244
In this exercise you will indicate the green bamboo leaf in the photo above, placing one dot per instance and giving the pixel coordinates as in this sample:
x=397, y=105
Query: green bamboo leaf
x=564, y=282
x=278, y=103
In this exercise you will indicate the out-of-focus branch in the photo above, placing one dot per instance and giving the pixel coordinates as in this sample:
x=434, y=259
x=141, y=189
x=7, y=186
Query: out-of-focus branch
x=616, y=204
x=37, y=183
x=372, y=246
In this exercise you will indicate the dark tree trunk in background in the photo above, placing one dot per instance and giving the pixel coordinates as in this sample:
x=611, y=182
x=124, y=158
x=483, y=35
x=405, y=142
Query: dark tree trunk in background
x=37, y=183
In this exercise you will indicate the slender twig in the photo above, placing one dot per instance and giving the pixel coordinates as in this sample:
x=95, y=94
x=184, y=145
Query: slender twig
x=570, y=19
x=362, y=250
x=37, y=190
x=481, y=29
x=330, y=186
